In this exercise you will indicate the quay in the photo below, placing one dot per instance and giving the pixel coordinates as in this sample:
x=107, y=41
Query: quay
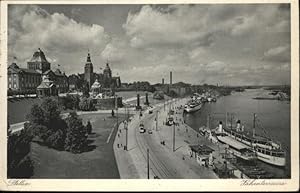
x=169, y=158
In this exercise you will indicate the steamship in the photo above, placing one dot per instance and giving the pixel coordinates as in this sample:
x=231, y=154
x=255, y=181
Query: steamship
x=265, y=148
x=193, y=106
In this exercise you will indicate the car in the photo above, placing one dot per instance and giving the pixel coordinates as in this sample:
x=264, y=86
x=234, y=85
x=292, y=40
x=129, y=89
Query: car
x=170, y=121
x=150, y=111
x=142, y=129
x=150, y=131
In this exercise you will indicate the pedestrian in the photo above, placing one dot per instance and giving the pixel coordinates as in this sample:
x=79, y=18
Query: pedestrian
x=118, y=145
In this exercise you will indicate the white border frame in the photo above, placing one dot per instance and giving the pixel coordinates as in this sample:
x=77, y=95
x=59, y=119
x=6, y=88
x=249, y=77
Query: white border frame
x=156, y=185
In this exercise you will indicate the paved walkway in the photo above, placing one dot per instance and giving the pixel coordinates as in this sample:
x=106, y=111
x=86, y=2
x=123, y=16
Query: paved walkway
x=164, y=163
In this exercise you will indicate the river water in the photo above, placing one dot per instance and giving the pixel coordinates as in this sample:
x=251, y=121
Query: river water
x=273, y=119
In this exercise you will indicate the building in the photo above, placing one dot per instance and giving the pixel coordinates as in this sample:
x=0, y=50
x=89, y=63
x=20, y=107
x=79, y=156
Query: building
x=60, y=79
x=74, y=82
x=28, y=79
x=88, y=71
x=203, y=154
x=39, y=62
x=96, y=88
x=105, y=78
x=47, y=87
x=22, y=79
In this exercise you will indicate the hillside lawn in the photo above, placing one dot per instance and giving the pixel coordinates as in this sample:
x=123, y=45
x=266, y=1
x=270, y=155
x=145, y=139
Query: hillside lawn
x=98, y=162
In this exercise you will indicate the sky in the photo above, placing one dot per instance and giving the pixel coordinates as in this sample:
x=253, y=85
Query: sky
x=225, y=44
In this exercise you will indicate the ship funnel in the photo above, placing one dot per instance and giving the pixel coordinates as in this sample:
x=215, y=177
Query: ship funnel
x=220, y=129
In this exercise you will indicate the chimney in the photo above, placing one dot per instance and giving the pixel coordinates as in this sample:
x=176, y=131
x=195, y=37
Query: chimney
x=171, y=78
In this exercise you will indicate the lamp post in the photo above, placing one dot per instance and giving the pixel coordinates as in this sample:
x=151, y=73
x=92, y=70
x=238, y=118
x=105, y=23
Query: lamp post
x=126, y=129
x=156, y=120
x=173, y=136
x=148, y=165
x=116, y=106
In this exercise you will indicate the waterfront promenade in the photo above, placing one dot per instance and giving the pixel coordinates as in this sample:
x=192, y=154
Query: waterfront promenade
x=164, y=163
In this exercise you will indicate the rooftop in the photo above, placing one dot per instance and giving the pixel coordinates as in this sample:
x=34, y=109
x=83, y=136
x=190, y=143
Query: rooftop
x=39, y=56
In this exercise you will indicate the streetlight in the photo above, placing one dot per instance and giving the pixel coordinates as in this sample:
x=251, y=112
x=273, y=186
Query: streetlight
x=156, y=119
x=116, y=106
x=126, y=129
x=173, y=136
x=148, y=165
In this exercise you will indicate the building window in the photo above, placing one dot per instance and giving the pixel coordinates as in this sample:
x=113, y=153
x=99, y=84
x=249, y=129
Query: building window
x=9, y=85
x=15, y=86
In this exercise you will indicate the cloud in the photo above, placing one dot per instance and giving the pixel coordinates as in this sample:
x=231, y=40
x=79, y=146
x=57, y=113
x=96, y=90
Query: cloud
x=278, y=54
x=115, y=50
x=31, y=27
x=187, y=25
x=156, y=26
x=234, y=44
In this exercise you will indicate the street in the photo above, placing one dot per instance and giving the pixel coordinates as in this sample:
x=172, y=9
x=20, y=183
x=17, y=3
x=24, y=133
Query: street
x=163, y=162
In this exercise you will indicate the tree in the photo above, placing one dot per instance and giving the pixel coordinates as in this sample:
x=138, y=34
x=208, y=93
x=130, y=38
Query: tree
x=19, y=163
x=36, y=115
x=51, y=113
x=69, y=102
x=46, y=124
x=89, y=127
x=76, y=136
x=86, y=104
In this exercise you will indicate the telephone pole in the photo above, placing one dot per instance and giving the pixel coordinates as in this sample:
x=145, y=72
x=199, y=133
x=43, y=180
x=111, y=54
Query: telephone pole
x=173, y=136
x=156, y=120
x=116, y=106
x=148, y=167
x=254, y=116
x=231, y=115
x=126, y=129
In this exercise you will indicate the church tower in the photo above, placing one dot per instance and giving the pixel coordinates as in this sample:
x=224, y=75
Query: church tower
x=107, y=76
x=88, y=71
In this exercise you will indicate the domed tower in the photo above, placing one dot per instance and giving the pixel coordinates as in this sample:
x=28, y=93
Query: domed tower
x=88, y=71
x=107, y=76
x=39, y=62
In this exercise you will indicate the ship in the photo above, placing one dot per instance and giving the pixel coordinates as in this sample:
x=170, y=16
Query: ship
x=192, y=106
x=265, y=148
x=237, y=148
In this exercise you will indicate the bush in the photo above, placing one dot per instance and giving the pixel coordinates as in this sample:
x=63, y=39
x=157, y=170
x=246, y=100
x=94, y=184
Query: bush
x=36, y=115
x=89, y=127
x=76, y=137
x=70, y=102
x=56, y=140
x=19, y=163
x=46, y=124
x=86, y=104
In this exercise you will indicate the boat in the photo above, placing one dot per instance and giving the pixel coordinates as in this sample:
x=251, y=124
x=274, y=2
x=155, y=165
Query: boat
x=265, y=148
x=193, y=106
x=237, y=148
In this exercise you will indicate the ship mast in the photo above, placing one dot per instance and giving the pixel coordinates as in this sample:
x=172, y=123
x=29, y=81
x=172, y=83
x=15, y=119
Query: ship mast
x=254, y=116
